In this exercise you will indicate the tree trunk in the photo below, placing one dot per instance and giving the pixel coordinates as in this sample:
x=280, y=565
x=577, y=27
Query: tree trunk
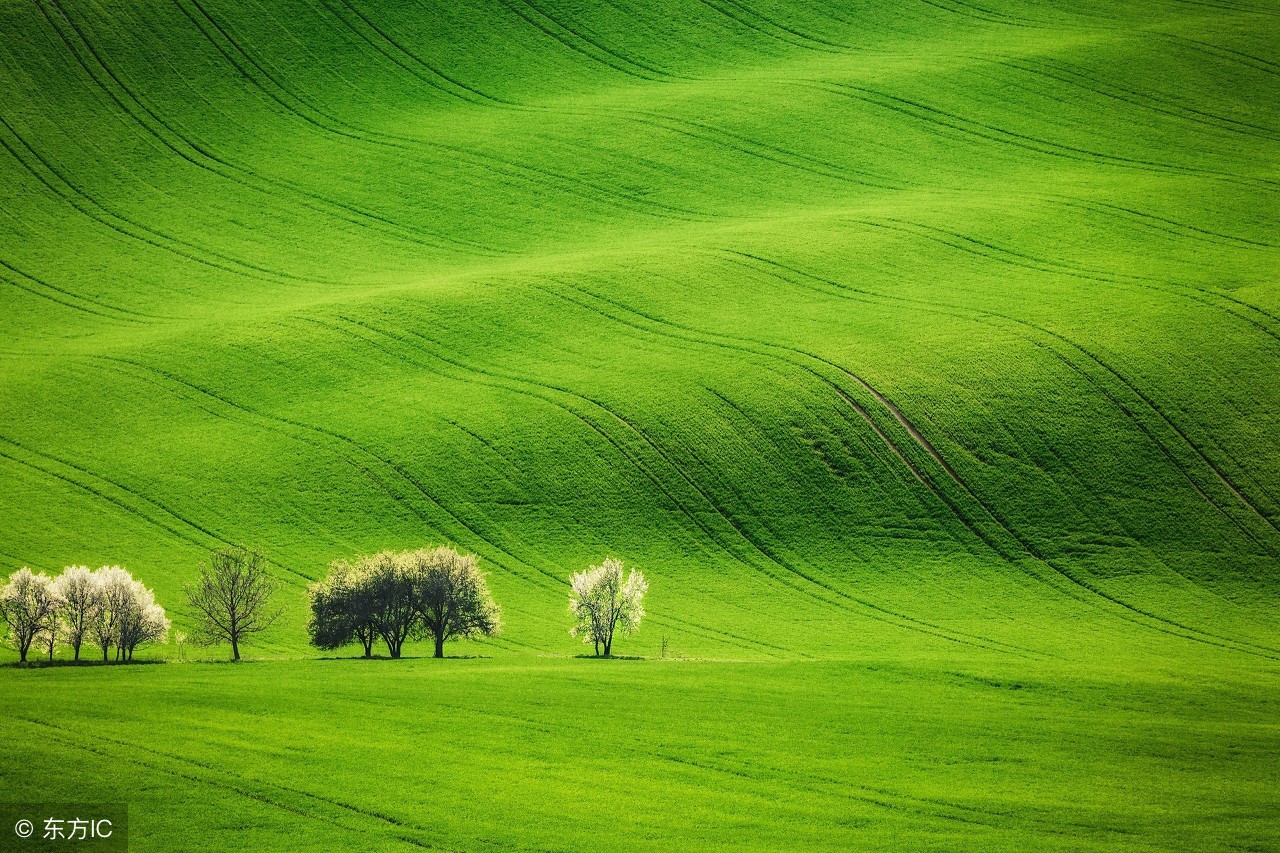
x=597, y=639
x=235, y=648
x=77, y=651
x=439, y=645
x=368, y=647
x=104, y=652
x=22, y=651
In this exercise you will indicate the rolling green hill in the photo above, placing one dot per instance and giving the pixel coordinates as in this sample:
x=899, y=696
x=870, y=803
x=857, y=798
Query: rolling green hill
x=933, y=331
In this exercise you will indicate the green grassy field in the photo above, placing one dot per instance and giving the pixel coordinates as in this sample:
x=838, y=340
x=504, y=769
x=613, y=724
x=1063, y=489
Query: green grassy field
x=925, y=356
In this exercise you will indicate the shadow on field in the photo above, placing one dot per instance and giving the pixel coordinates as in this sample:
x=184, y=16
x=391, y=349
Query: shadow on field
x=610, y=657
x=403, y=657
x=53, y=664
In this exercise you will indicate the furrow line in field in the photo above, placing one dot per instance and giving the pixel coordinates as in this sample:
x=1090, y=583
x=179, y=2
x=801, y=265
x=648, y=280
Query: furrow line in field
x=511, y=383
x=129, y=315
x=197, y=155
x=762, y=548
x=467, y=93
x=132, y=494
x=1160, y=223
x=194, y=154
x=326, y=122
x=763, y=151
x=1248, y=60
x=1070, y=75
x=282, y=97
x=335, y=440
x=531, y=17
x=626, y=60
x=1035, y=552
x=969, y=10
x=1181, y=434
x=124, y=226
x=499, y=381
x=218, y=778
x=1025, y=261
x=41, y=294
x=968, y=127
x=778, y=31
x=712, y=535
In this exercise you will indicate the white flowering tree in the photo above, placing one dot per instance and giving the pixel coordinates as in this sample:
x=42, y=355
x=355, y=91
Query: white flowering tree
x=81, y=597
x=29, y=605
x=603, y=604
x=114, y=591
x=142, y=621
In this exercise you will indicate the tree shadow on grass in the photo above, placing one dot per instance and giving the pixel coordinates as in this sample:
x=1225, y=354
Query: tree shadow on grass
x=390, y=659
x=610, y=657
x=56, y=664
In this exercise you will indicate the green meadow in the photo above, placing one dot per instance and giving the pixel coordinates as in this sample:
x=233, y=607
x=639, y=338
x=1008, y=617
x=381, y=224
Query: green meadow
x=924, y=355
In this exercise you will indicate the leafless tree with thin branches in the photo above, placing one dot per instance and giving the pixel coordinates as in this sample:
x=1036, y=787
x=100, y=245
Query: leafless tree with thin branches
x=232, y=597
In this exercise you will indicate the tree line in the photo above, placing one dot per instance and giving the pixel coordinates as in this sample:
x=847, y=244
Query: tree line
x=392, y=596
x=106, y=607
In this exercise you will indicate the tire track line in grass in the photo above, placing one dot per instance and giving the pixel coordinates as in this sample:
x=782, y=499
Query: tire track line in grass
x=1167, y=226
x=761, y=548
x=41, y=294
x=922, y=533
x=228, y=781
x=1029, y=547
x=1226, y=54
x=334, y=442
x=129, y=316
x=326, y=122
x=278, y=425
x=763, y=151
x=77, y=198
x=1023, y=544
x=95, y=487
x=990, y=251
x=968, y=127
x=468, y=94
x=1181, y=434
x=879, y=614
x=509, y=383
x=1071, y=75
x=778, y=32
x=978, y=13
x=1222, y=476
x=535, y=17
x=197, y=155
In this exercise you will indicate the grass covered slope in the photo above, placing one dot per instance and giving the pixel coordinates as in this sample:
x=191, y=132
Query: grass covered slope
x=893, y=318
x=924, y=355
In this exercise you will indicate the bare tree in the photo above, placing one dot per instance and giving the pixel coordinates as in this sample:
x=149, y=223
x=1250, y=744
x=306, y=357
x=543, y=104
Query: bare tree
x=602, y=603
x=81, y=600
x=29, y=604
x=232, y=597
x=452, y=598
